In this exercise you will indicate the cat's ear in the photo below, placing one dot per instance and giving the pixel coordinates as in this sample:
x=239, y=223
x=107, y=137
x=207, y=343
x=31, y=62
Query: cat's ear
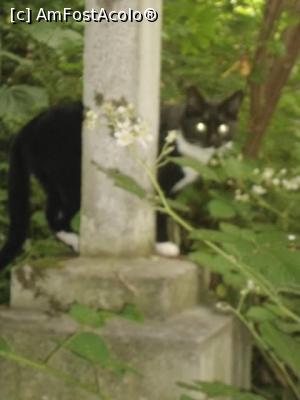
x=194, y=99
x=232, y=104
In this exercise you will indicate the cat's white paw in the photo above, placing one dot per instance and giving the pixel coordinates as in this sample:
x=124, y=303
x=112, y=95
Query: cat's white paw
x=167, y=249
x=69, y=238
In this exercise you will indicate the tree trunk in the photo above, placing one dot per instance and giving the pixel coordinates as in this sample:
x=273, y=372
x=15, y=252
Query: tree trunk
x=264, y=96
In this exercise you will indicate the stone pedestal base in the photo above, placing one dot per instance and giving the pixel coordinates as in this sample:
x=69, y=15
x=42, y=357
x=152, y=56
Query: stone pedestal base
x=196, y=344
x=179, y=340
x=159, y=287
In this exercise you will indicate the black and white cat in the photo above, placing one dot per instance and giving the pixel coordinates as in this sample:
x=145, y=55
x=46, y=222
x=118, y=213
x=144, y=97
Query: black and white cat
x=201, y=128
x=49, y=147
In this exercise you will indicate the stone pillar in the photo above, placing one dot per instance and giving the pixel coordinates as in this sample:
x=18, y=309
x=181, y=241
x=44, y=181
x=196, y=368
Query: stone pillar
x=121, y=60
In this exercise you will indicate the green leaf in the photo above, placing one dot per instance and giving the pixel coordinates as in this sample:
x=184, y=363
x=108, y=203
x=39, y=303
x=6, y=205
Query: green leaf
x=39, y=218
x=91, y=347
x=246, y=234
x=272, y=237
x=125, y=182
x=221, y=209
x=53, y=36
x=214, y=235
x=21, y=100
x=203, y=170
x=215, y=263
x=278, y=264
x=4, y=346
x=15, y=57
x=288, y=327
x=237, y=169
x=85, y=315
x=220, y=265
x=128, y=183
x=285, y=346
x=260, y=314
x=131, y=312
x=177, y=205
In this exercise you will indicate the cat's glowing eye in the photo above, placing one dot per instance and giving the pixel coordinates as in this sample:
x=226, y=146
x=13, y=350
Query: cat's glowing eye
x=223, y=129
x=201, y=127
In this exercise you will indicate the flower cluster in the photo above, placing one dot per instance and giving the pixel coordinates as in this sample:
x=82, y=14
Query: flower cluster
x=259, y=190
x=270, y=177
x=266, y=179
x=124, y=124
x=256, y=182
x=293, y=184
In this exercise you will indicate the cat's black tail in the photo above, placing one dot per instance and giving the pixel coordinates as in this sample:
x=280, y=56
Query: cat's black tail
x=18, y=203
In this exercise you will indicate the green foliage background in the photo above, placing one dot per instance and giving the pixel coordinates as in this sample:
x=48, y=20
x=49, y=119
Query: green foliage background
x=41, y=65
x=203, y=42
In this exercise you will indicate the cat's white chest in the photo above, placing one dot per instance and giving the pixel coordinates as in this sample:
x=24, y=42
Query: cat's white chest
x=189, y=150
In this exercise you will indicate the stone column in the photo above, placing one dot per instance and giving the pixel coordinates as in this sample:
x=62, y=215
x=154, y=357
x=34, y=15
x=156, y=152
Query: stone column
x=121, y=60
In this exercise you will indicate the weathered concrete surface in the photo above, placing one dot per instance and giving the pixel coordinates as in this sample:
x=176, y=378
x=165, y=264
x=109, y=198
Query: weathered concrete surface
x=242, y=356
x=159, y=287
x=121, y=60
x=197, y=344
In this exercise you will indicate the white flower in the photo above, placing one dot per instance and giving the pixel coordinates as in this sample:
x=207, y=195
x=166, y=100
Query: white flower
x=293, y=184
x=124, y=138
x=250, y=285
x=256, y=171
x=127, y=134
x=222, y=306
x=91, y=119
x=121, y=110
x=292, y=238
x=276, y=181
x=123, y=125
x=283, y=171
x=127, y=128
x=242, y=197
x=268, y=173
x=171, y=136
x=244, y=292
x=260, y=190
x=144, y=139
